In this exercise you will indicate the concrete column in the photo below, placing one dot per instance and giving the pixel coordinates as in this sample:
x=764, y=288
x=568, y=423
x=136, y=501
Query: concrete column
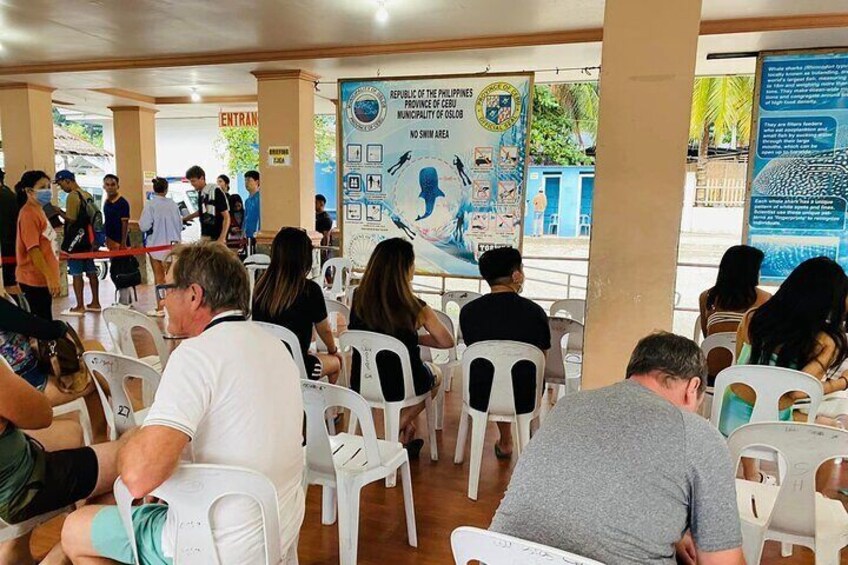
x=135, y=152
x=647, y=72
x=26, y=119
x=286, y=113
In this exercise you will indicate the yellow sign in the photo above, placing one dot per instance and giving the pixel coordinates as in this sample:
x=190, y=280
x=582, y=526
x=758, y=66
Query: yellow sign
x=279, y=156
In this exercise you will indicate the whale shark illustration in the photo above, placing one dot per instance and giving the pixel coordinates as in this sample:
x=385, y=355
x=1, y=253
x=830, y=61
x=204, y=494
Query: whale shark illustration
x=428, y=179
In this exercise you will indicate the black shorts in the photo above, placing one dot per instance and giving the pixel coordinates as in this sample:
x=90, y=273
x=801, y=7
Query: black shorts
x=69, y=475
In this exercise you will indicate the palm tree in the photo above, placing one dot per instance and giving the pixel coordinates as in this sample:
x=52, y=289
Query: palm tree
x=580, y=102
x=720, y=105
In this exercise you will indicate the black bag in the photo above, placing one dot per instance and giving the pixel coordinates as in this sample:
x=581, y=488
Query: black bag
x=124, y=272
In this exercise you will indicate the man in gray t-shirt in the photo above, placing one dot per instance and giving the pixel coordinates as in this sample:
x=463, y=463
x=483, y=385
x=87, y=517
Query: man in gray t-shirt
x=625, y=473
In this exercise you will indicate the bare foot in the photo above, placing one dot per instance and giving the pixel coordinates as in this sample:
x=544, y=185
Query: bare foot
x=407, y=434
x=94, y=307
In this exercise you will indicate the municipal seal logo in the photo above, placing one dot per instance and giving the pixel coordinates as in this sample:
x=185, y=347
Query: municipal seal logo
x=498, y=106
x=366, y=108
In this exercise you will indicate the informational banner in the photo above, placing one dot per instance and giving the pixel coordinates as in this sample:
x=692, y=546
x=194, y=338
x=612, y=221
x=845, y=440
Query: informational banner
x=439, y=161
x=798, y=167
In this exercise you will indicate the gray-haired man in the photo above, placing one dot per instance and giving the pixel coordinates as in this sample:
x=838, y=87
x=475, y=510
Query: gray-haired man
x=629, y=474
x=233, y=392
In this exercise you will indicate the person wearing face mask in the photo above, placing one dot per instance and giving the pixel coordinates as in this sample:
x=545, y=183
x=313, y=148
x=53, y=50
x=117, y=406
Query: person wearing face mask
x=37, y=269
x=503, y=314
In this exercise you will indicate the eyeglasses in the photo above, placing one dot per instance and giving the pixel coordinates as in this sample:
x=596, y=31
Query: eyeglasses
x=162, y=290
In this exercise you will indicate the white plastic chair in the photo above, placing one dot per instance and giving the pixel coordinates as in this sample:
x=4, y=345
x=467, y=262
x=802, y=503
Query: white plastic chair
x=573, y=308
x=721, y=340
x=335, y=309
x=120, y=323
x=793, y=513
x=474, y=544
x=697, y=332
x=290, y=339
x=342, y=269
x=447, y=362
x=769, y=384
x=344, y=463
x=460, y=298
x=116, y=370
x=369, y=345
x=563, y=360
x=347, y=300
x=255, y=265
x=191, y=492
x=503, y=355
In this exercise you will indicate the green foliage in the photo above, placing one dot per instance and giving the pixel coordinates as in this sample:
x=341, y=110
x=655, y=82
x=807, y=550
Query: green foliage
x=92, y=133
x=553, y=132
x=325, y=138
x=239, y=146
x=721, y=110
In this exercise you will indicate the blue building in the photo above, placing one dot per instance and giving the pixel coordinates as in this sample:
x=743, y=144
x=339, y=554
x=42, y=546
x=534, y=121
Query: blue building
x=569, y=191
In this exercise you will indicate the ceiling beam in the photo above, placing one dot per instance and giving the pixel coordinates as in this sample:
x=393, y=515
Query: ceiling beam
x=711, y=27
x=126, y=94
x=234, y=99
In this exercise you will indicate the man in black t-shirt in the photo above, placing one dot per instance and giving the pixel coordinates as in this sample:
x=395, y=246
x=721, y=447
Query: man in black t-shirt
x=323, y=221
x=213, y=209
x=503, y=314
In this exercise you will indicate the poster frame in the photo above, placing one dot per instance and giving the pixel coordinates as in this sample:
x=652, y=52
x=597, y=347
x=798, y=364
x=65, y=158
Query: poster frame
x=755, y=117
x=340, y=156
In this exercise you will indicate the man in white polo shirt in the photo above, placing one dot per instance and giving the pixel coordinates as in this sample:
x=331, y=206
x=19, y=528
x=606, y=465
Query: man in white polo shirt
x=230, y=395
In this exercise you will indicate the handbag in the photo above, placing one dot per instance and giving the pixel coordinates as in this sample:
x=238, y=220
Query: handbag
x=125, y=272
x=62, y=358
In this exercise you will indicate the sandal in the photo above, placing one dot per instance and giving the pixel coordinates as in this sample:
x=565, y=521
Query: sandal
x=414, y=447
x=500, y=454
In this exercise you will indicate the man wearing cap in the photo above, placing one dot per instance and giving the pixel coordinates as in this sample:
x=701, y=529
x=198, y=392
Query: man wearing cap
x=78, y=239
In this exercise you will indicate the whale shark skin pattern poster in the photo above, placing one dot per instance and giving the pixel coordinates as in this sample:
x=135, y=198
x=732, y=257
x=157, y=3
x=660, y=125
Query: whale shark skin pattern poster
x=798, y=164
x=439, y=161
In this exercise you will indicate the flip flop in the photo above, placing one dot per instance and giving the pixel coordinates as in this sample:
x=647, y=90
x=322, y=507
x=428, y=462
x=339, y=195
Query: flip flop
x=92, y=309
x=414, y=448
x=75, y=313
x=500, y=454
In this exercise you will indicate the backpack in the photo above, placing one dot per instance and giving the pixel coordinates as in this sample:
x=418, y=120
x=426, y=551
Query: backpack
x=95, y=216
x=124, y=272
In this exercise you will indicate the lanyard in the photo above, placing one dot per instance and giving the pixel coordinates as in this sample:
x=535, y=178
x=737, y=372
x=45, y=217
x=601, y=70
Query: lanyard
x=223, y=319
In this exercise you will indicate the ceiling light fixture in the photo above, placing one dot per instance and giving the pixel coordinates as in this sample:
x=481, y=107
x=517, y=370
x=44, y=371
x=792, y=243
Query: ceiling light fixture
x=382, y=14
x=195, y=95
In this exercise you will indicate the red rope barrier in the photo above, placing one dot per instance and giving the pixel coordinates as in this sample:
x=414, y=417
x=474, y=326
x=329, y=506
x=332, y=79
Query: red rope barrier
x=10, y=260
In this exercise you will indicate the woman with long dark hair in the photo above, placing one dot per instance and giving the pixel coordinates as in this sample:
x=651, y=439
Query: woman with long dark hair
x=384, y=303
x=285, y=296
x=801, y=327
x=37, y=268
x=735, y=292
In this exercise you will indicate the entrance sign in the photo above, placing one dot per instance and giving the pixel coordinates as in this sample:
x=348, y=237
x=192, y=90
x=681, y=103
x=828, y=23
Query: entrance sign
x=439, y=161
x=798, y=165
x=238, y=119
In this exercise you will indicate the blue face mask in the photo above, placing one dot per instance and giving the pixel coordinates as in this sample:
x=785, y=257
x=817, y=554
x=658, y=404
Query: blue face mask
x=43, y=196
